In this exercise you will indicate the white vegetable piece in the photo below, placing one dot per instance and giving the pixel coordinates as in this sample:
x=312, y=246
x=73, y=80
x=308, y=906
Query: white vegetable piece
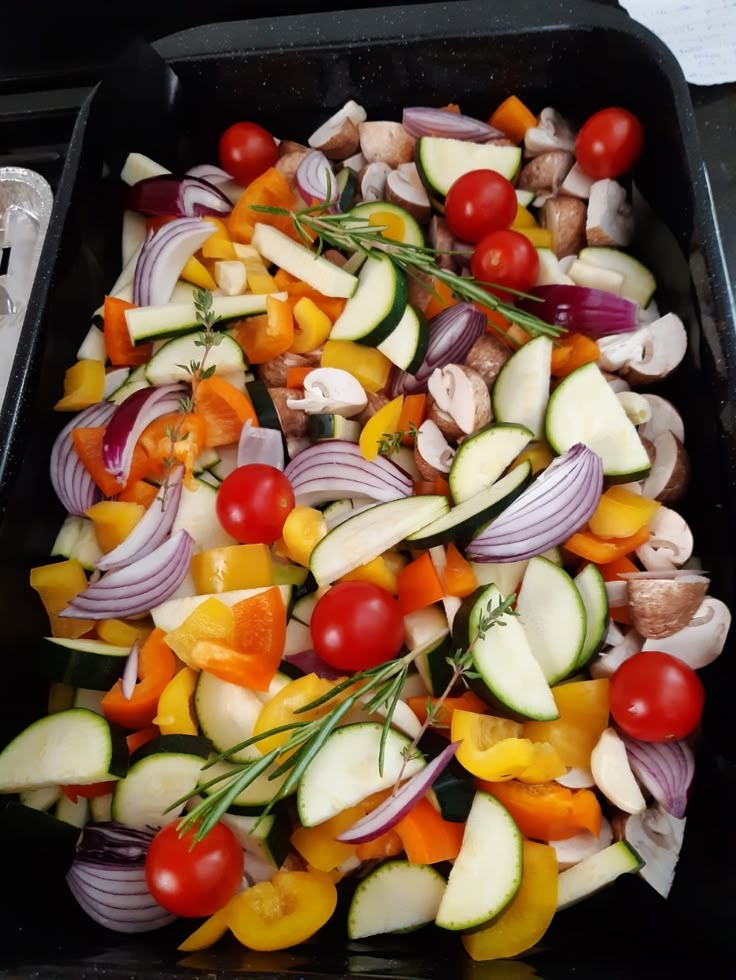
x=612, y=773
x=610, y=217
x=231, y=276
x=581, y=846
x=331, y=390
x=552, y=132
x=139, y=167
x=657, y=837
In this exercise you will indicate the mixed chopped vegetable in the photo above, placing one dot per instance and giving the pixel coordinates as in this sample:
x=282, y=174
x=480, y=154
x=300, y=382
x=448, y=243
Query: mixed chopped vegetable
x=370, y=577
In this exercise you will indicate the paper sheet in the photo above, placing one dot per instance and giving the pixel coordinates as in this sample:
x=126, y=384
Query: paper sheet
x=700, y=33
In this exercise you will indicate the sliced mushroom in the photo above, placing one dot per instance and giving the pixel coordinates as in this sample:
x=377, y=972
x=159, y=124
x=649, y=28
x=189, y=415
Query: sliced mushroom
x=442, y=240
x=289, y=146
x=432, y=454
x=577, y=183
x=444, y=422
x=355, y=163
x=670, y=544
x=616, y=384
x=331, y=390
x=594, y=277
x=332, y=255
x=289, y=164
x=657, y=838
x=338, y=136
x=387, y=142
x=293, y=422
x=552, y=132
x=375, y=401
x=373, y=181
x=637, y=408
x=583, y=845
x=609, y=764
x=616, y=593
x=274, y=372
x=664, y=418
x=670, y=473
x=608, y=662
x=610, y=216
x=565, y=218
x=617, y=349
x=702, y=640
x=665, y=344
x=461, y=394
x=661, y=607
x=409, y=172
x=546, y=172
x=401, y=190
x=487, y=356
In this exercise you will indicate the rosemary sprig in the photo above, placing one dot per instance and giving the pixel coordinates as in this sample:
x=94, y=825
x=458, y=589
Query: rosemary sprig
x=354, y=234
x=463, y=664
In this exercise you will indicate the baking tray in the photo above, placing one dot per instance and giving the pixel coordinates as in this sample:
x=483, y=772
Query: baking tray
x=291, y=73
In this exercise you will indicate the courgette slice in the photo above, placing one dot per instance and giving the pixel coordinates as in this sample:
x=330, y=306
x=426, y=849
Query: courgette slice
x=521, y=391
x=171, y=362
x=481, y=458
x=592, y=589
x=146, y=323
x=441, y=161
x=377, y=306
x=395, y=897
x=82, y=663
x=406, y=345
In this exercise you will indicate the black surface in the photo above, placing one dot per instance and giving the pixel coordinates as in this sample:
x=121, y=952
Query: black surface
x=386, y=60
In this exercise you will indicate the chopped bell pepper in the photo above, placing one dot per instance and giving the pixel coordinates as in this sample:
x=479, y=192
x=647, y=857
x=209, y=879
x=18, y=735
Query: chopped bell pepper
x=442, y=715
x=548, y=811
x=156, y=666
x=267, y=336
x=571, y=352
x=224, y=410
x=367, y=364
x=211, y=620
x=546, y=764
x=312, y=326
x=56, y=584
x=271, y=189
x=523, y=219
x=526, y=919
x=413, y=414
x=303, y=529
x=621, y=513
x=490, y=747
x=88, y=444
x=439, y=302
x=384, y=424
x=585, y=544
x=282, y=709
x=427, y=838
x=207, y=934
x=513, y=118
x=379, y=571
x=319, y=846
x=583, y=708
x=84, y=385
x=113, y=521
x=121, y=634
x=538, y=454
x=120, y=349
x=419, y=585
x=259, y=279
x=238, y=566
x=174, y=715
x=458, y=578
x=197, y=274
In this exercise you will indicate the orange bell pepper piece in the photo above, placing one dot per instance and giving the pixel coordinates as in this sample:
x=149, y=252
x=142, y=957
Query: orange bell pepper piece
x=513, y=118
x=441, y=301
x=548, y=811
x=438, y=486
x=271, y=189
x=156, y=666
x=426, y=837
x=88, y=443
x=89, y=791
x=120, y=349
x=413, y=412
x=268, y=335
x=459, y=579
x=295, y=376
x=139, y=492
x=442, y=717
x=587, y=545
x=177, y=436
x=419, y=585
x=136, y=739
x=385, y=846
x=331, y=306
x=225, y=410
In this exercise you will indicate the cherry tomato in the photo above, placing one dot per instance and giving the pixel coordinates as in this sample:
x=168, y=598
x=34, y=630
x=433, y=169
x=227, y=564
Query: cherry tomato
x=505, y=258
x=609, y=143
x=194, y=880
x=253, y=503
x=357, y=625
x=247, y=150
x=479, y=202
x=655, y=697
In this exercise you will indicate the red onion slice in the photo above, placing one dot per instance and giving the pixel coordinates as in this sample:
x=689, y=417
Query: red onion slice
x=430, y=121
x=152, y=529
x=330, y=471
x=164, y=255
x=451, y=335
x=130, y=673
x=260, y=445
x=128, y=421
x=108, y=879
x=190, y=197
x=665, y=769
x=210, y=173
x=315, y=179
x=593, y=312
x=70, y=479
x=555, y=506
x=139, y=586
x=391, y=811
x=311, y=663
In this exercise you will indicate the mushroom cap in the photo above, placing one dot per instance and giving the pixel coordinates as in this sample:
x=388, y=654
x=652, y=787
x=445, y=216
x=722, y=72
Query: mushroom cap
x=432, y=455
x=462, y=394
x=552, y=132
x=289, y=146
x=665, y=345
x=565, y=218
x=661, y=607
x=670, y=543
x=444, y=422
x=288, y=164
x=337, y=140
x=664, y=417
x=669, y=476
x=547, y=171
x=404, y=192
x=387, y=142
x=702, y=640
x=610, y=217
x=487, y=356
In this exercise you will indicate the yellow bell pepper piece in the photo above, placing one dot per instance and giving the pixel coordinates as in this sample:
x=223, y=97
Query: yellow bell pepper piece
x=211, y=620
x=621, y=513
x=318, y=846
x=367, y=364
x=208, y=933
x=522, y=923
x=174, y=715
x=222, y=229
x=545, y=765
x=385, y=423
x=84, y=385
x=121, y=634
x=490, y=747
x=539, y=237
x=379, y=572
x=281, y=709
x=56, y=584
x=311, y=326
x=538, y=454
x=524, y=219
x=303, y=529
x=259, y=278
x=113, y=521
x=197, y=274
x=218, y=247
x=282, y=912
x=238, y=566
x=583, y=708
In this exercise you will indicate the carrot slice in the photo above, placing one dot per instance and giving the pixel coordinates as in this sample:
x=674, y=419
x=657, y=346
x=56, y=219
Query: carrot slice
x=120, y=349
x=225, y=410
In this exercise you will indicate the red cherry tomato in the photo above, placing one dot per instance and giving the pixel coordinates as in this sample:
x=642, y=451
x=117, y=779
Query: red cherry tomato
x=247, y=150
x=253, y=503
x=357, y=625
x=479, y=202
x=655, y=697
x=194, y=881
x=505, y=258
x=609, y=143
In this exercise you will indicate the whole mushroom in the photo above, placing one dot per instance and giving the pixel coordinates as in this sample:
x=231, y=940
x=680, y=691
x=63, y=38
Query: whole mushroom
x=663, y=606
x=546, y=172
x=387, y=142
x=487, y=356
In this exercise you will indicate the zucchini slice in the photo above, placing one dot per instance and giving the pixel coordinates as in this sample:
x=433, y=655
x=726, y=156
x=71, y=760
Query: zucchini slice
x=170, y=362
x=147, y=323
x=395, y=897
x=82, y=663
x=482, y=458
x=592, y=589
x=406, y=345
x=521, y=390
x=639, y=284
x=377, y=306
x=197, y=514
x=596, y=872
x=391, y=214
x=323, y=275
x=441, y=161
x=226, y=714
x=266, y=837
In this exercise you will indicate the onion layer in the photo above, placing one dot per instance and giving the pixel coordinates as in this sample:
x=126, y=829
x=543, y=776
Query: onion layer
x=163, y=257
x=430, y=121
x=556, y=505
x=336, y=469
x=311, y=663
x=70, y=479
x=190, y=197
x=260, y=445
x=393, y=809
x=451, y=335
x=593, y=312
x=665, y=769
x=315, y=179
x=210, y=173
x=128, y=421
x=139, y=586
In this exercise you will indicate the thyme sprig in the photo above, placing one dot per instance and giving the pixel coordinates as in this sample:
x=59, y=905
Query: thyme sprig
x=354, y=234
x=207, y=339
x=390, y=442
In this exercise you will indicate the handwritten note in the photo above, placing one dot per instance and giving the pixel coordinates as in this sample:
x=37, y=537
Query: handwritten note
x=700, y=33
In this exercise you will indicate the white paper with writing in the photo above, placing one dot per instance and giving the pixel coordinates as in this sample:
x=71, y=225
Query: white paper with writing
x=700, y=33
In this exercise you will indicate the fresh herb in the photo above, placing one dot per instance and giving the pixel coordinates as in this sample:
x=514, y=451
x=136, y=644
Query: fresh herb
x=207, y=339
x=390, y=442
x=354, y=234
